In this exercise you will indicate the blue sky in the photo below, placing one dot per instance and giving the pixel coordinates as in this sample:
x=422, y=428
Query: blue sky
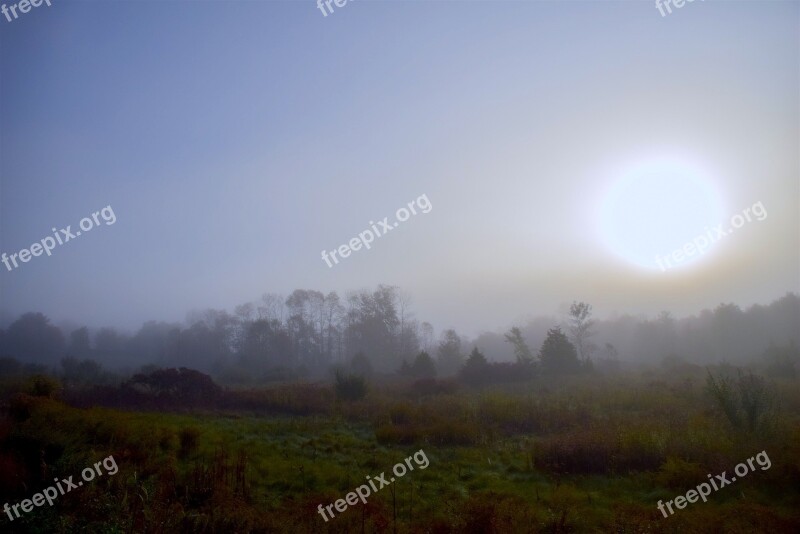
x=236, y=140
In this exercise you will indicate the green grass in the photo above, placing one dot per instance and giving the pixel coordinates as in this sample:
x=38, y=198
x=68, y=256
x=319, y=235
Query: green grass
x=660, y=439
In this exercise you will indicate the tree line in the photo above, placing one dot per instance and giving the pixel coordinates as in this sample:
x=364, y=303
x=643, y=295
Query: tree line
x=375, y=331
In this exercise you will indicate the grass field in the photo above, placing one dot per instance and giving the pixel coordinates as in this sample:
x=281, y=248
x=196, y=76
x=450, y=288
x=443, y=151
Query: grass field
x=591, y=454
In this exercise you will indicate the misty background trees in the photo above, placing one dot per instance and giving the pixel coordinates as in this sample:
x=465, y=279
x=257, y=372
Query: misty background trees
x=308, y=333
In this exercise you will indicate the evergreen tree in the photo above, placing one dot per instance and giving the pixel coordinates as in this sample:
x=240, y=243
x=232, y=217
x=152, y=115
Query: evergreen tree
x=476, y=369
x=423, y=366
x=558, y=355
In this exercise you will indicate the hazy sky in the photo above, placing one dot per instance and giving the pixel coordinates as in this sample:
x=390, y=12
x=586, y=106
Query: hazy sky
x=559, y=144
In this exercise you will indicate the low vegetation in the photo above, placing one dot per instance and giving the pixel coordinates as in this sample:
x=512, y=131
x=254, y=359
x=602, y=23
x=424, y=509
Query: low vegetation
x=579, y=453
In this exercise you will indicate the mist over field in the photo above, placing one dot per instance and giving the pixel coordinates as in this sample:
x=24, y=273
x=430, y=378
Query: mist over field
x=452, y=267
x=308, y=333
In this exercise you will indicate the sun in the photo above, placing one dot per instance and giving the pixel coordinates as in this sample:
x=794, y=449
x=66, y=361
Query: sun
x=655, y=207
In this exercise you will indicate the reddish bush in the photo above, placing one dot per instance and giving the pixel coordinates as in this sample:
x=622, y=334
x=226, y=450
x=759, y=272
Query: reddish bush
x=598, y=451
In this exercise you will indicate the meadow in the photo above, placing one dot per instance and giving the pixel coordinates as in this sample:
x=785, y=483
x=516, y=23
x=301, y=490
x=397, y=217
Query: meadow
x=580, y=454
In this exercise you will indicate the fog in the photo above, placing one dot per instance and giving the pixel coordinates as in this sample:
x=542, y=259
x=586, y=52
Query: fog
x=231, y=162
x=307, y=333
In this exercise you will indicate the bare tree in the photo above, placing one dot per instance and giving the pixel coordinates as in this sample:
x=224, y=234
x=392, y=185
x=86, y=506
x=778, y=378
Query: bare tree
x=334, y=314
x=580, y=327
x=427, y=335
x=521, y=349
x=272, y=307
x=245, y=311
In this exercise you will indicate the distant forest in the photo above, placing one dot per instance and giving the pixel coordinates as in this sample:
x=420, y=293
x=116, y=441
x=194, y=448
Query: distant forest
x=308, y=333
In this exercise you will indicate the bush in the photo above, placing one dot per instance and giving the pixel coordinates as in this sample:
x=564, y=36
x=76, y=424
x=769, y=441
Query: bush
x=175, y=388
x=42, y=386
x=746, y=401
x=297, y=399
x=350, y=387
x=600, y=451
x=402, y=414
x=678, y=473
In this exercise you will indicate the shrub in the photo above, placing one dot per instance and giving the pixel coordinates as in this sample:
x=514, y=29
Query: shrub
x=580, y=452
x=678, y=473
x=175, y=387
x=401, y=414
x=746, y=401
x=350, y=387
x=600, y=450
x=42, y=386
x=297, y=399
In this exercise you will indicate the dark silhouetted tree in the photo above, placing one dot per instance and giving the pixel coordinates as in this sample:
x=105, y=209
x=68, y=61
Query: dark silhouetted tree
x=110, y=346
x=32, y=337
x=476, y=369
x=79, y=345
x=423, y=366
x=81, y=373
x=176, y=387
x=557, y=355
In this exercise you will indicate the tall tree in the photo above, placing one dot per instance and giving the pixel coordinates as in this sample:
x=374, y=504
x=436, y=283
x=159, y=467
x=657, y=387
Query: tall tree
x=449, y=353
x=304, y=325
x=580, y=327
x=33, y=338
x=273, y=306
x=372, y=326
x=333, y=315
x=476, y=369
x=558, y=356
x=427, y=337
x=79, y=344
x=423, y=366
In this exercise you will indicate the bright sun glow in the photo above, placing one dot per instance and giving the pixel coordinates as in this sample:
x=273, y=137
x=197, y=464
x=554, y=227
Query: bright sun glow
x=655, y=208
